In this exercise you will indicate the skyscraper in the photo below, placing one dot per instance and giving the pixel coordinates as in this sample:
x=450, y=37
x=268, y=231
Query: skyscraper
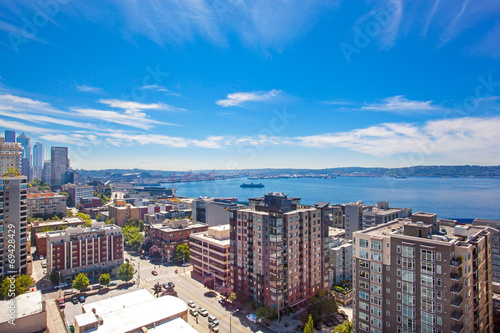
x=277, y=250
x=14, y=226
x=422, y=275
x=25, y=142
x=10, y=136
x=59, y=165
x=38, y=159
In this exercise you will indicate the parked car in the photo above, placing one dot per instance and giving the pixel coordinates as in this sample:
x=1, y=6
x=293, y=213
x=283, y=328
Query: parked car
x=213, y=320
x=61, y=303
x=193, y=312
x=44, y=271
x=171, y=284
x=154, y=273
x=202, y=311
x=191, y=304
x=252, y=317
x=165, y=286
x=127, y=259
x=61, y=285
x=97, y=287
x=111, y=284
x=223, y=302
x=186, y=264
x=74, y=300
x=69, y=292
x=86, y=289
x=213, y=327
x=82, y=299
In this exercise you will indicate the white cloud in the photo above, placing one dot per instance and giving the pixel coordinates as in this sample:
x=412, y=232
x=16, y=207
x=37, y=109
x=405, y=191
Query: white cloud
x=400, y=104
x=90, y=89
x=132, y=107
x=156, y=87
x=236, y=99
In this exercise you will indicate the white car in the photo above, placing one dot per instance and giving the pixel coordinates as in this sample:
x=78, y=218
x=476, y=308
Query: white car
x=253, y=318
x=191, y=304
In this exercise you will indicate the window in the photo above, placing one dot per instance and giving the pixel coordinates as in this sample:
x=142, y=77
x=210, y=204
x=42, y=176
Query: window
x=408, y=323
x=427, y=280
x=398, y=249
x=427, y=329
x=439, y=320
x=438, y=256
x=427, y=255
x=408, y=264
x=376, y=311
x=408, y=300
x=376, y=289
x=408, y=312
x=427, y=293
x=427, y=305
x=408, y=288
x=364, y=254
x=439, y=308
x=376, y=245
x=439, y=294
x=376, y=256
x=364, y=316
x=428, y=318
x=408, y=252
x=363, y=295
x=364, y=285
x=376, y=278
x=427, y=268
x=364, y=306
x=376, y=267
x=408, y=276
x=376, y=300
x=363, y=243
x=364, y=274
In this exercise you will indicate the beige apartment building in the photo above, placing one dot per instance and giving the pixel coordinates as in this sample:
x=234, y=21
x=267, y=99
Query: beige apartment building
x=121, y=211
x=421, y=275
x=210, y=253
x=10, y=156
x=46, y=204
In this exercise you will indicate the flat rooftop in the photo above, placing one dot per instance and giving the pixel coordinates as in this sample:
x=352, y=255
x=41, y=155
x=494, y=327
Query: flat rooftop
x=203, y=236
x=26, y=305
x=174, y=325
x=68, y=220
x=335, y=232
x=133, y=310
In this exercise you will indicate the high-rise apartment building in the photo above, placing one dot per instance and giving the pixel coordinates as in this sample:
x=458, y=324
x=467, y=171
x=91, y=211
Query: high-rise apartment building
x=78, y=192
x=10, y=136
x=59, y=165
x=39, y=157
x=25, y=142
x=13, y=226
x=212, y=211
x=359, y=216
x=495, y=245
x=277, y=250
x=420, y=276
x=47, y=172
x=10, y=156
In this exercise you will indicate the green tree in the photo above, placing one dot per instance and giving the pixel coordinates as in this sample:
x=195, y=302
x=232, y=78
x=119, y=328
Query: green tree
x=45, y=229
x=12, y=172
x=135, y=223
x=81, y=282
x=132, y=236
x=66, y=195
x=267, y=313
x=309, y=328
x=110, y=221
x=86, y=218
x=99, y=218
x=24, y=282
x=125, y=272
x=104, y=279
x=345, y=327
x=181, y=253
x=21, y=284
x=69, y=213
x=54, y=278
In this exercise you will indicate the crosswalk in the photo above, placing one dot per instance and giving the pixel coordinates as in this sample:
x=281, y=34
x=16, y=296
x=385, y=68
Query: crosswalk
x=162, y=276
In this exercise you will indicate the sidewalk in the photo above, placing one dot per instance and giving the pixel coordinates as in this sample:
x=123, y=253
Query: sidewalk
x=286, y=324
x=55, y=323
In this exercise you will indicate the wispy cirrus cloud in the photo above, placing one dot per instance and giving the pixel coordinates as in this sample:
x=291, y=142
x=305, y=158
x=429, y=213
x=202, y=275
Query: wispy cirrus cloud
x=90, y=89
x=156, y=87
x=238, y=98
x=400, y=104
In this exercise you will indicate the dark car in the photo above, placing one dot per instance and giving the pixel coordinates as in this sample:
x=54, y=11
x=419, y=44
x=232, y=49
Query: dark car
x=82, y=299
x=165, y=286
x=96, y=287
x=74, y=300
x=86, y=289
x=171, y=284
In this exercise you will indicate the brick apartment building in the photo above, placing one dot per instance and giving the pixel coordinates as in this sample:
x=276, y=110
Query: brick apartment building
x=422, y=275
x=172, y=233
x=277, y=250
x=94, y=250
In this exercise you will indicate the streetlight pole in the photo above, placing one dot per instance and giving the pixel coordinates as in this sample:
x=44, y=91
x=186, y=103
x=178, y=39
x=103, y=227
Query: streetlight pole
x=231, y=320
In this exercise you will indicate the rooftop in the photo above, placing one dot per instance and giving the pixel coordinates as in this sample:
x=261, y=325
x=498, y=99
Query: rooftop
x=174, y=325
x=335, y=232
x=134, y=310
x=68, y=220
x=26, y=305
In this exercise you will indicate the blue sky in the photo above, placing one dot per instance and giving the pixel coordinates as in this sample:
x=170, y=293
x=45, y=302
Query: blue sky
x=227, y=84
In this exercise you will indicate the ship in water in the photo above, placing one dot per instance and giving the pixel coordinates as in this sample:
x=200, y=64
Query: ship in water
x=252, y=185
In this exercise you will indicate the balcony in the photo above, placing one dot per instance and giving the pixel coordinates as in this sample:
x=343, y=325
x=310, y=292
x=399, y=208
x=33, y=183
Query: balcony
x=457, y=302
x=457, y=328
x=456, y=262
x=456, y=288
x=456, y=276
x=457, y=315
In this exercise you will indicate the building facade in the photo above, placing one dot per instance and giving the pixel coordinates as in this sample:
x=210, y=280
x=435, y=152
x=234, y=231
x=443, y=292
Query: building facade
x=121, y=211
x=172, y=233
x=14, y=252
x=59, y=164
x=39, y=156
x=10, y=136
x=78, y=192
x=340, y=254
x=277, y=250
x=411, y=276
x=94, y=250
x=46, y=204
x=10, y=156
x=212, y=211
x=210, y=253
